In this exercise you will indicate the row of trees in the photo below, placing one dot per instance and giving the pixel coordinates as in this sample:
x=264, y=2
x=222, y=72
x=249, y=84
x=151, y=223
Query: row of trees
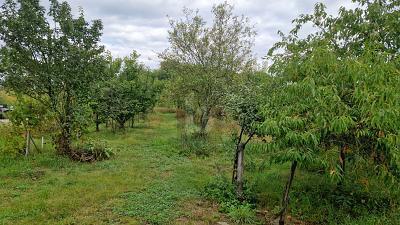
x=131, y=90
x=56, y=59
x=328, y=95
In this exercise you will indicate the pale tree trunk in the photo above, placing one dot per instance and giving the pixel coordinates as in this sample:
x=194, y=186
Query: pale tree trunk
x=285, y=200
x=204, y=121
x=240, y=171
x=238, y=164
x=28, y=142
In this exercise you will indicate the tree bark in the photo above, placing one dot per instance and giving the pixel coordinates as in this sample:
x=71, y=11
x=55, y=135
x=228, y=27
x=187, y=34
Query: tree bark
x=240, y=171
x=27, y=143
x=121, y=125
x=342, y=162
x=343, y=159
x=64, y=138
x=235, y=160
x=285, y=200
x=204, y=121
x=97, y=123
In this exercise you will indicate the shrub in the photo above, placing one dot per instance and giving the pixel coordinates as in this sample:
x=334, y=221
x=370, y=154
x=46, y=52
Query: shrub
x=221, y=190
x=91, y=151
x=243, y=214
x=195, y=144
x=12, y=142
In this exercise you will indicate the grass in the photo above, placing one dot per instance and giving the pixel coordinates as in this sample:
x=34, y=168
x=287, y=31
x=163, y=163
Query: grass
x=146, y=181
x=150, y=181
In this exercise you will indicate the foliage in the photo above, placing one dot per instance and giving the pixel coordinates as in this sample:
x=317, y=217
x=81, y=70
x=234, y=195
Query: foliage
x=131, y=90
x=202, y=60
x=221, y=190
x=12, y=142
x=336, y=92
x=91, y=151
x=30, y=115
x=329, y=99
x=193, y=143
x=51, y=57
x=243, y=214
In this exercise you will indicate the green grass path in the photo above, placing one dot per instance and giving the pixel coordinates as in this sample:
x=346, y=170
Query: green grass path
x=146, y=181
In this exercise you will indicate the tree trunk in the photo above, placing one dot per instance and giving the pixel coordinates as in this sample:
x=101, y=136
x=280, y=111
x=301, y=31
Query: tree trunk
x=121, y=125
x=235, y=160
x=240, y=171
x=204, y=121
x=97, y=123
x=285, y=200
x=64, y=138
x=27, y=147
x=64, y=141
x=342, y=161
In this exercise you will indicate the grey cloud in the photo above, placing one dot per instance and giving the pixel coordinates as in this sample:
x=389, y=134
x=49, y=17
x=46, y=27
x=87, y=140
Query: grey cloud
x=143, y=24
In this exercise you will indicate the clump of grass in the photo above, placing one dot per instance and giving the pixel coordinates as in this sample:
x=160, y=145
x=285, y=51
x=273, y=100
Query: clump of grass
x=195, y=144
x=219, y=189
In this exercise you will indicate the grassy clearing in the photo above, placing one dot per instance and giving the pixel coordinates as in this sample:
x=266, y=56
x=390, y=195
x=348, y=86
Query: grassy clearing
x=150, y=180
x=145, y=181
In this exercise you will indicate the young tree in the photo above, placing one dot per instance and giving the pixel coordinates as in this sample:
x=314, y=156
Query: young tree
x=131, y=91
x=243, y=103
x=52, y=58
x=337, y=92
x=205, y=58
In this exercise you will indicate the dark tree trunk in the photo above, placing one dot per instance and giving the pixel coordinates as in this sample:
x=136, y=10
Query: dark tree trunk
x=343, y=159
x=285, y=200
x=121, y=125
x=132, y=121
x=342, y=162
x=97, y=123
x=64, y=138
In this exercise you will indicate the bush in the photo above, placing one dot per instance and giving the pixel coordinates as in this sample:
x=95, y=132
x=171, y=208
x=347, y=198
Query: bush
x=12, y=142
x=243, y=214
x=221, y=190
x=195, y=144
x=91, y=151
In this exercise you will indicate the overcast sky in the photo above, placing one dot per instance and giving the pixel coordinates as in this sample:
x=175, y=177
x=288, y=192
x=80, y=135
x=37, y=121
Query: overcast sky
x=143, y=24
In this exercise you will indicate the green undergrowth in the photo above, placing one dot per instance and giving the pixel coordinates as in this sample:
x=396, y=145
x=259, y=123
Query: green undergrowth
x=152, y=180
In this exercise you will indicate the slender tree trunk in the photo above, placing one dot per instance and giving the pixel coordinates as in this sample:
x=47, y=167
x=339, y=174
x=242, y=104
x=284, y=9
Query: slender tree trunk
x=97, y=123
x=235, y=160
x=343, y=159
x=121, y=125
x=285, y=200
x=342, y=162
x=27, y=147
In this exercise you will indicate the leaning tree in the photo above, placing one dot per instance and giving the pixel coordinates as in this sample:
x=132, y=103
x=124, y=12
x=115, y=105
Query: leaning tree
x=50, y=56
